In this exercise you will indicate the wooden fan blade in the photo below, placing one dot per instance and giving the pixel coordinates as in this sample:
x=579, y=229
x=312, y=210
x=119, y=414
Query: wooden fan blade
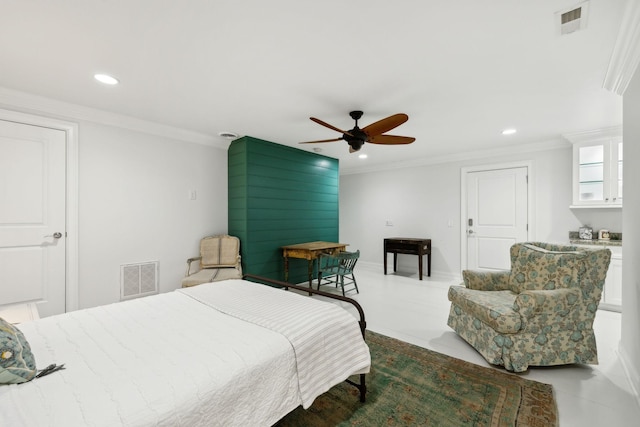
x=327, y=125
x=385, y=125
x=322, y=140
x=391, y=140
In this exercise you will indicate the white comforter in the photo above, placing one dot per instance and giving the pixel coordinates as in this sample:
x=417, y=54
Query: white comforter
x=327, y=341
x=172, y=359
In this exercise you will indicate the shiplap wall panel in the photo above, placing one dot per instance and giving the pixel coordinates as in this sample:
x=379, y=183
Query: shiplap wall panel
x=278, y=196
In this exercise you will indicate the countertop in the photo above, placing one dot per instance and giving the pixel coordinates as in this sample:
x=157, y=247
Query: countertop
x=596, y=242
x=615, y=240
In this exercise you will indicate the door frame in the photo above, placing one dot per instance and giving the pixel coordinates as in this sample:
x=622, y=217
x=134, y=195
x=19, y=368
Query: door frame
x=464, y=171
x=71, y=202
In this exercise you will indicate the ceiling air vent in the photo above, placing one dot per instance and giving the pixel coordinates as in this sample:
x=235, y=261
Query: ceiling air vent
x=573, y=19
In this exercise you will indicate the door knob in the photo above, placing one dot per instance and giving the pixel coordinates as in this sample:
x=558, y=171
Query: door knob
x=470, y=231
x=55, y=235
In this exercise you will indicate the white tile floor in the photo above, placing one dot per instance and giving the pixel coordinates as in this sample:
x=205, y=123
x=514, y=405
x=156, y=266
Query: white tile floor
x=401, y=306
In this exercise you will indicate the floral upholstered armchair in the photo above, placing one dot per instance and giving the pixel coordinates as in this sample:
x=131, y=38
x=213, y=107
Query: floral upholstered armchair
x=539, y=313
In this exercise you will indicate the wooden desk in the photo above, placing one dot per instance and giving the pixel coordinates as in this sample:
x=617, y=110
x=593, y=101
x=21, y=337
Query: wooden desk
x=310, y=252
x=403, y=245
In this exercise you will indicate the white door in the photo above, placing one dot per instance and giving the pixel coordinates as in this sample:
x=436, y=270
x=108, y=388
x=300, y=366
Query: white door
x=497, y=206
x=32, y=216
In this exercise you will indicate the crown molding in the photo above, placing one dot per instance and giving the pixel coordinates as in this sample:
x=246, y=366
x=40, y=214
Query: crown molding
x=594, y=135
x=626, y=52
x=488, y=153
x=33, y=104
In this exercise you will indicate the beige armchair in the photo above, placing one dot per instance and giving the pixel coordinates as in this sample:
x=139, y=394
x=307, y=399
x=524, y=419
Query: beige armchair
x=539, y=313
x=219, y=260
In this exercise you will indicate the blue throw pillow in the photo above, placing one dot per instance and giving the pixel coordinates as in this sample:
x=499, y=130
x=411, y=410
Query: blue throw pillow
x=17, y=364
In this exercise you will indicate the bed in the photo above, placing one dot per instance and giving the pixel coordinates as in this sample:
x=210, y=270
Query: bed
x=225, y=353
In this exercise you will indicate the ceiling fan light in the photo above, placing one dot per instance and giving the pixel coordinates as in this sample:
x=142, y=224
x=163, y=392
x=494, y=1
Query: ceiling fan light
x=373, y=133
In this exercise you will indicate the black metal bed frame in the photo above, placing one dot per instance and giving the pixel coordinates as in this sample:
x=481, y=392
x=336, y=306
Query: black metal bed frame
x=362, y=387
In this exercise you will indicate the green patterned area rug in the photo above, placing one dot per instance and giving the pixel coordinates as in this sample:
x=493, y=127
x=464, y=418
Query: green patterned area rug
x=413, y=386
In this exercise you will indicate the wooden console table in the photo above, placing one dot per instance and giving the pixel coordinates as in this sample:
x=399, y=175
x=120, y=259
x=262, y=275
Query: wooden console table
x=310, y=252
x=403, y=245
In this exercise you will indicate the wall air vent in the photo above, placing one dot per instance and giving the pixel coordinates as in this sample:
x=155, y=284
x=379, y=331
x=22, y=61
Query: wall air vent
x=138, y=280
x=572, y=19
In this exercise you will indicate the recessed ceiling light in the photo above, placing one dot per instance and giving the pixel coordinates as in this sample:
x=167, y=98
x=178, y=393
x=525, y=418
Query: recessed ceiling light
x=509, y=131
x=106, y=79
x=362, y=156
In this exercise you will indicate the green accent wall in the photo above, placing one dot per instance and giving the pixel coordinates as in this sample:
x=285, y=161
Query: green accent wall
x=279, y=195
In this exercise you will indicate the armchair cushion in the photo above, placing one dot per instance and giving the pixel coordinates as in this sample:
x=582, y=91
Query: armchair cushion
x=219, y=251
x=537, y=268
x=207, y=275
x=495, y=308
x=486, y=280
x=557, y=301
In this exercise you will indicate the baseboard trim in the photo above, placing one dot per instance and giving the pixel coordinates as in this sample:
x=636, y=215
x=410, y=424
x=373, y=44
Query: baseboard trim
x=435, y=274
x=632, y=374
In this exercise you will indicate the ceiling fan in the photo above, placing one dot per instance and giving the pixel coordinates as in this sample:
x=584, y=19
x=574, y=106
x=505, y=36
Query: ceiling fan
x=373, y=133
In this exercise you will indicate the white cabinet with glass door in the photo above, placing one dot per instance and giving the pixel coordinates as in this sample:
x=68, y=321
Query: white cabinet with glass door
x=597, y=169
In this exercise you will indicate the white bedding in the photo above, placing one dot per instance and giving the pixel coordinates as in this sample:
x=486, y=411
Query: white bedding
x=326, y=340
x=171, y=360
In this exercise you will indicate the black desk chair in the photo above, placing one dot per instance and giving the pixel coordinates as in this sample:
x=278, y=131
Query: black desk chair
x=338, y=270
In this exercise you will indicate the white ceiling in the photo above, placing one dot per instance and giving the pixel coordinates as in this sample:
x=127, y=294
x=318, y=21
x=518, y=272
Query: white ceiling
x=462, y=70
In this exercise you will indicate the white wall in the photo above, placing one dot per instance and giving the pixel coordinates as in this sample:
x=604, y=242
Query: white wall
x=630, y=339
x=133, y=195
x=422, y=201
x=134, y=206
